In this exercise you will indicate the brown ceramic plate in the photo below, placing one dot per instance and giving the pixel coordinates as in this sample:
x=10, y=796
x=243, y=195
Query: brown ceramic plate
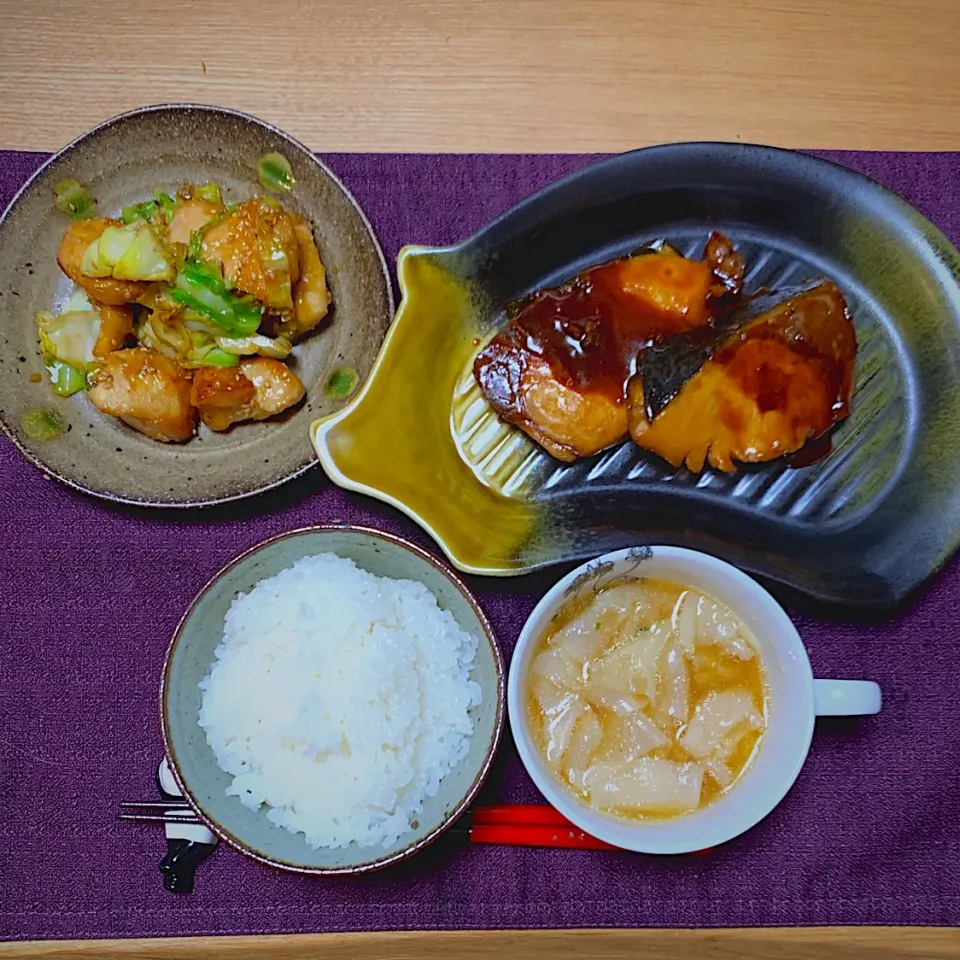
x=122, y=161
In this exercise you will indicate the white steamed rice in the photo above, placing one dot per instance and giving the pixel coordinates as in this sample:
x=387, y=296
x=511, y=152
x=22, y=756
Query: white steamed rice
x=339, y=700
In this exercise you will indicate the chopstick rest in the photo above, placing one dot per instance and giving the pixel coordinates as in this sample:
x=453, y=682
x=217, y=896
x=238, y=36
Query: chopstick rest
x=188, y=844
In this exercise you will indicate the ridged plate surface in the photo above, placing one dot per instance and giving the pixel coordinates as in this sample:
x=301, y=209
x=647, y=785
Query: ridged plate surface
x=866, y=447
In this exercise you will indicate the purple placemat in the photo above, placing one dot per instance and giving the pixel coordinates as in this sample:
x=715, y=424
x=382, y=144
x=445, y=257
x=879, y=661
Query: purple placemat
x=90, y=594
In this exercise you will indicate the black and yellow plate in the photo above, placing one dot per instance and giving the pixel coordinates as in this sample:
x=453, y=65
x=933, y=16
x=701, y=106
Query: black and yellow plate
x=865, y=525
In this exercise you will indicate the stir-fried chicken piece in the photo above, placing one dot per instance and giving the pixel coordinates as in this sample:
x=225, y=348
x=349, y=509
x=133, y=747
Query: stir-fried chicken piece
x=311, y=298
x=189, y=216
x=256, y=389
x=116, y=324
x=257, y=248
x=148, y=391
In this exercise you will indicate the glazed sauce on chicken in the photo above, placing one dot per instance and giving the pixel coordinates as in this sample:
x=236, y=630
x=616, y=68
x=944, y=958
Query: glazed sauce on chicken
x=560, y=369
x=779, y=380
x=669, y=351
x=591, y=329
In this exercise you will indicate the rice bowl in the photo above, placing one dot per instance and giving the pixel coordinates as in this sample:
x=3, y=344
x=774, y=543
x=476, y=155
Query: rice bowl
x=339, y=700
x=190, y=660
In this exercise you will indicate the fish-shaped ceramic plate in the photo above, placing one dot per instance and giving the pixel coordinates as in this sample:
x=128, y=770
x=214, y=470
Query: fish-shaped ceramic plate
x=865, y=525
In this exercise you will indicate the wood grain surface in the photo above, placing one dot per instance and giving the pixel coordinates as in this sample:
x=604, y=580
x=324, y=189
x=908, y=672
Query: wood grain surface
x=501, y=75
x=814, y=943
x=496, y=75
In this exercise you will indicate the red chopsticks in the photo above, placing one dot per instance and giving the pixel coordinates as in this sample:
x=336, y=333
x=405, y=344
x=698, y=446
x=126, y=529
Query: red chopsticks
x=532, y=825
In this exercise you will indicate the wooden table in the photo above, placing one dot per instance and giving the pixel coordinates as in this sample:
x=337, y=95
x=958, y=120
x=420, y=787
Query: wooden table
x=502, y=75
x=496, y=75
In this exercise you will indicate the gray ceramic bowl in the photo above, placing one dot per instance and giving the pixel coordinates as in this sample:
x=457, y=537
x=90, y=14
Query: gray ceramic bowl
x=121, y=162
x=191, y=654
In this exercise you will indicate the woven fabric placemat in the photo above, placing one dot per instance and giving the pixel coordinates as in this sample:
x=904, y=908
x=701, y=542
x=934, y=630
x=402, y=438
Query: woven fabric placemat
x=90, y=594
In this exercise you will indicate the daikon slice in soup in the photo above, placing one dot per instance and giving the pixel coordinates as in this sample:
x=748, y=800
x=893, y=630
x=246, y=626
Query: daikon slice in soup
x=647, y=698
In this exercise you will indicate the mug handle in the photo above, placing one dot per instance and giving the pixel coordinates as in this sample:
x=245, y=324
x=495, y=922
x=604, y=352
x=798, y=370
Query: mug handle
x=846, y=698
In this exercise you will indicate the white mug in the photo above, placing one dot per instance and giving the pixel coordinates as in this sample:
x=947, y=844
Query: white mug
x=795, y=699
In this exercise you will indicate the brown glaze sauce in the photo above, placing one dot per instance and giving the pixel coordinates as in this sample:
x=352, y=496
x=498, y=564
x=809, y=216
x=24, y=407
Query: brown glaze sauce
x=781, y=368
x=573, y=330
x=776, y=374
x=591, y=329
